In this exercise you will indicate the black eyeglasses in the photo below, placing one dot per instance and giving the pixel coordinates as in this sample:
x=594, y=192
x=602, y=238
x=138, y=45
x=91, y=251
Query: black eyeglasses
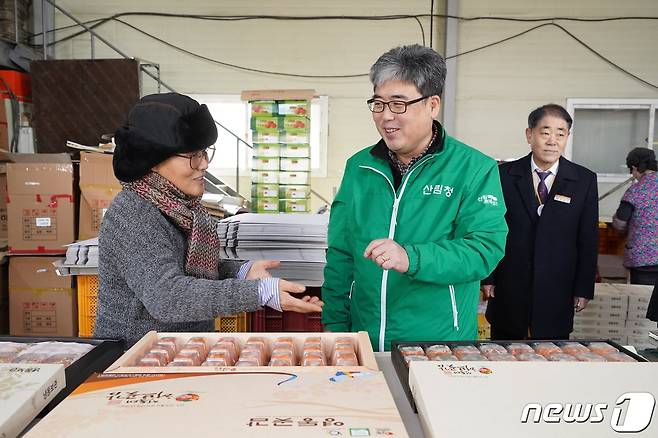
x=197, y=157
x=396, y=106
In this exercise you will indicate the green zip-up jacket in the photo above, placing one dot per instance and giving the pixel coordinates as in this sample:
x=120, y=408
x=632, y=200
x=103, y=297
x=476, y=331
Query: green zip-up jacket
x=448, y=214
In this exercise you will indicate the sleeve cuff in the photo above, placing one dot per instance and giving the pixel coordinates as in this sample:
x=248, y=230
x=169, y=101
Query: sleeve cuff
x=244, y=270
x=414, y=262
x=268, y=293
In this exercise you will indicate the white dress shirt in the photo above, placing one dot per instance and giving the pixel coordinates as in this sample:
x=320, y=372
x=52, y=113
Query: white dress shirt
x=549, y=179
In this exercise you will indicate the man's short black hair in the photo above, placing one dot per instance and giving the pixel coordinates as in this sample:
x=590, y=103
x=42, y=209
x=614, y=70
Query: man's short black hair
x=551, y=109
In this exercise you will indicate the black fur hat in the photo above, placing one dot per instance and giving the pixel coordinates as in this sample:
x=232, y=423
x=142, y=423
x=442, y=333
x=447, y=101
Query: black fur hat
x=159, y=126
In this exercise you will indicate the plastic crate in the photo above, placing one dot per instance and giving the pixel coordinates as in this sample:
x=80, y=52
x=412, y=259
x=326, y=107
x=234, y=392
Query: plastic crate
x=87, y=300
x=610, y=240
x=484, y=328
x=233, y=324
x=270, y=320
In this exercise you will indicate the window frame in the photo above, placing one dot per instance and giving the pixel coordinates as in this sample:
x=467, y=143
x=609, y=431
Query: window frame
x=573, y=104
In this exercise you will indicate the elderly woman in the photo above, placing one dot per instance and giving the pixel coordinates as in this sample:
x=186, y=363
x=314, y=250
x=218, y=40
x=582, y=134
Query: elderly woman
x=159, y=266
x=638, y=215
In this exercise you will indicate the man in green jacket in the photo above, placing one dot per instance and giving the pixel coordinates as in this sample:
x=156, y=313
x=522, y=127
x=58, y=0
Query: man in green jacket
x=418, y=220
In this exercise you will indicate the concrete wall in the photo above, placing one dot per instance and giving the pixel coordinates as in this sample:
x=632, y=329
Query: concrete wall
x=496, y=87
x=333, y=47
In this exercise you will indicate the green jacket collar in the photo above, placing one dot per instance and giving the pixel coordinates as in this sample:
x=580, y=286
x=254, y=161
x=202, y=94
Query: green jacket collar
x=380, y=151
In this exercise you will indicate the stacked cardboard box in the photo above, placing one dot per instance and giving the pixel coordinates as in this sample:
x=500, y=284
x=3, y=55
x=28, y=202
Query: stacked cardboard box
x=40, y=221
x=637, y=325
x=41, y=303
x=40, y=205
x=618, y=312
x=281, y=162
x=98, y=187
x=3, y=206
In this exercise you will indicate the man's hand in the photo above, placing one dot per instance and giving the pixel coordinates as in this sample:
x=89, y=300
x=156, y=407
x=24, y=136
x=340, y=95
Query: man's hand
x=487, y=290
x=305, y=304
x=388, y=254
x=259, y=269
x=579, y=303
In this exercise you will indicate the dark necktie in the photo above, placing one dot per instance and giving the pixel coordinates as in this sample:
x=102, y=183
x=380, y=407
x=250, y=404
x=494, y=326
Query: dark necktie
x=542, y=190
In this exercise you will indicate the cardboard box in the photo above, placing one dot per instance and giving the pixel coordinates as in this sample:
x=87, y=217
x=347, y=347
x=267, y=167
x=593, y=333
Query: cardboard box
x=261, y=108
x=600, y=314
x=265, y=163
x=265, y=205
x=293, y=108
x=265, y=177
x=40, y=206
x=294, y=205
x=25, y=390
x=41, y=303
x=294, y=178
x=264, y=190
x=126, y=363
x=274, y=136
x=295, y=150
x=4, y=294
x=271, y=150
x=280, y=94
x=605, y=289
x=605, y=332
x=619, y=306
x=611, y=266
x=268, y=124
x=484, y=328
x=294, y=192
x=3, y=205
x=304, y=404
x=295, y=164
x=535, y=399
x=98, y=187
x=638, y=331
x=640, y=342
x=599, y=322
x=643, y=323
x=637, y=311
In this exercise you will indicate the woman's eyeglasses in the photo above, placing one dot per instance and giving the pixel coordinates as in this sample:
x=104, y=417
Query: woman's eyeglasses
x=197, y=157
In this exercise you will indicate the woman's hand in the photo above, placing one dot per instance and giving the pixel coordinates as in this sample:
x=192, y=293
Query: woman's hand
x=305, y=304
x=259, y=269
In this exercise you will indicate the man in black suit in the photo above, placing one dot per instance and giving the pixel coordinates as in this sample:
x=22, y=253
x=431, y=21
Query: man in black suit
x=550, y=259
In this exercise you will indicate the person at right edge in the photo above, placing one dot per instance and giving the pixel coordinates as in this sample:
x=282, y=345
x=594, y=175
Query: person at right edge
x=638, y=216
x=550, y=259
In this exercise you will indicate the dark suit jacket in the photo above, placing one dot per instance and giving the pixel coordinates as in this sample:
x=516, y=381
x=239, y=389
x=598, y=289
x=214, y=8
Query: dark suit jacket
x=549, y=259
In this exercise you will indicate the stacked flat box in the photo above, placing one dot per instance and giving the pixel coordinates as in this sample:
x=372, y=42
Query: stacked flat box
x=618, y=312
x=604, y=316
x=637, y=325
x=281, y=156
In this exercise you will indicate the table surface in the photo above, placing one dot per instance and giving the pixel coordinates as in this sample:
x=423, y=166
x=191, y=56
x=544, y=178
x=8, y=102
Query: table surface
x=409, y=417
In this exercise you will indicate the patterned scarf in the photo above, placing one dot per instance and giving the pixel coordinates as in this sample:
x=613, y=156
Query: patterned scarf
x=190, y=216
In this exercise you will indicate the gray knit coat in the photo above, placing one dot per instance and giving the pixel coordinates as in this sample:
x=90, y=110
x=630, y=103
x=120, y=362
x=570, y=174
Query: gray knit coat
x=143, y=285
